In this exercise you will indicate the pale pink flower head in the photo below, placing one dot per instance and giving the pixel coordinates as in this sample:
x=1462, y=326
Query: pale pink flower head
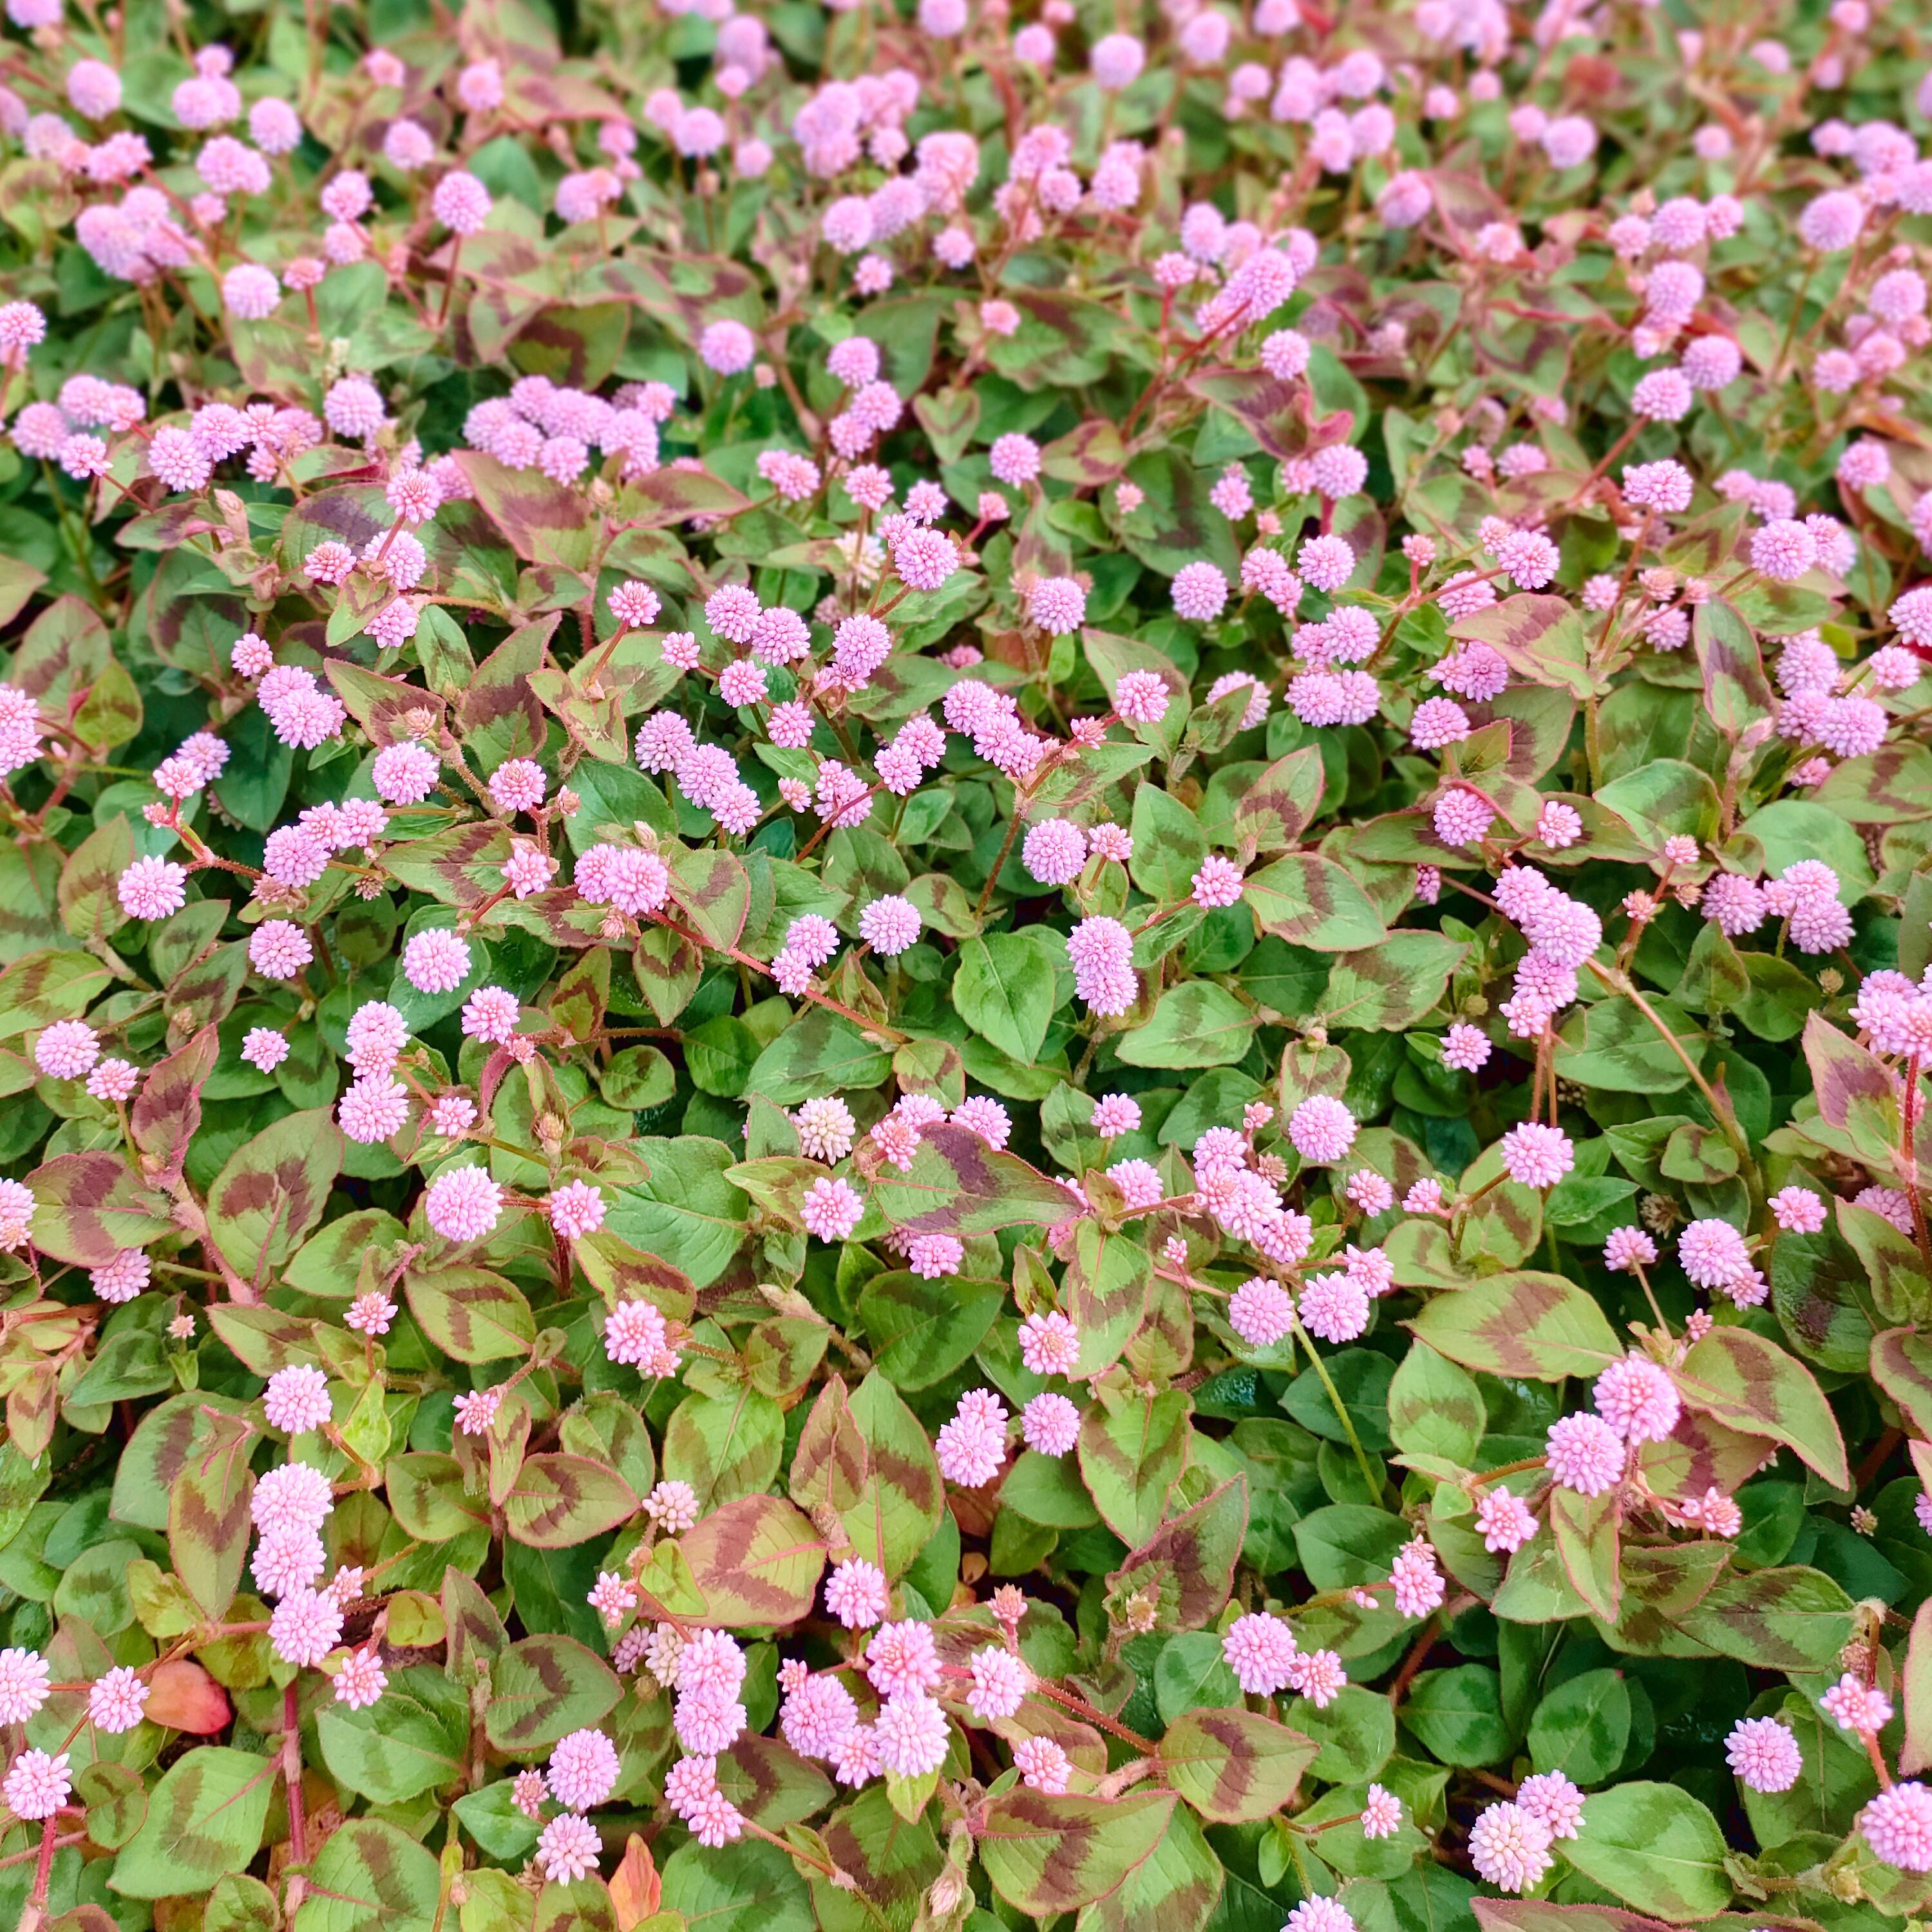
x=901, y=1659
x=1218, y=883
x=1142, y=697
x=1042, y=1766
x=1856, y=1705
x=857, y=1594
x=582, y=1770
x=1116, y=61
x=1798, y=1210
x=67, y=1050
x=1000, y=1684
x=296, y=1399
x=1510, y=1848
x=1585, y=1454
x=36, y=1785
x=831, y=1209
x=1764, y=1754
x=306, y=1626
x=1325, y=562
x=1317, y=1914
x=1381, y=1813
x=1638, y=1399
x=116, y=1701
x=1897, y=1826
x=1553, y=1801
x=1418, y=1583
x=1260, y=1311
x=1050, y=1424
x=1713, y=1253
x=1627, y=1249
x=1049, y=1344
x=1535, y=1156
x=1261, y=1651
x=435, y=961
x=672, y=1506
x=972, y=1446
x=24, y=1684
x=575, y=1210
x=567, y=1849
x=1322, y=1128
x=463, y=1204
x=1505, y=1521
x=727, y=347
x=1200, y=591
x=1318, y=1675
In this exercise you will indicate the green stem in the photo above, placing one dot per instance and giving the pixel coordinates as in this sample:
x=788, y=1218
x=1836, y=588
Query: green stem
x=1342, y=1415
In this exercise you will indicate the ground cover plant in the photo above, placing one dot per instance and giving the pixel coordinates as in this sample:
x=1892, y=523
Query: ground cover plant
x=963, y=968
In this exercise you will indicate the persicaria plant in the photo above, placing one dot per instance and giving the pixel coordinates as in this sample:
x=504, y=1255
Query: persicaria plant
x=964, y=966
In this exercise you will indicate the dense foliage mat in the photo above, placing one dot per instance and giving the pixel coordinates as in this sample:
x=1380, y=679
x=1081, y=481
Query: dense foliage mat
x=963, y=970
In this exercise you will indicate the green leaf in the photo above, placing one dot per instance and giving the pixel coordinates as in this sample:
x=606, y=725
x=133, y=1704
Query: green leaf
x=1188, y=1564
x=892, y=1860
x=721, y=1055
x=757, y=1560
x=370, y=1877
x=88, y=897
x=542, y=1689
x=747, y=1887
x=867, y=1456
x=89, y=1207
x=1586, y=1530
x=557, y=1500
x=1791, y=829
x=1435, y=1408
x=1354, y=1734
x=1278, y=807
x=1834, y=1783
x=1195, y=1024
x=724, y=1446
x=920, y=1330
x=1004, y=991
x=818, y=1054
x=1612, y=1045
x=1900, y=1289
x=1393, y=985
x=1583, y=1727
x=1346, y=1545
x=272, y=1191
x=1311, y=902
x=1750, y=1383
x=1045, y=1855
x=1191, y=1674
x=204, y=1818
x=1174, y=1889
x=1534, y=1325
x=415, y=1738
x=1901, y=1365
x=1655, y=1847
x=1234, y=1766
x=1107, y=1282
x=1169, y=845
x=471, y=1313
x=1539, y=637
x=1458, y=1714
x=1131, y=1452
x=959, y=1185
x=1664, y=795
x=208, y=1512
x=1792, y=1619
x=687, y=1212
